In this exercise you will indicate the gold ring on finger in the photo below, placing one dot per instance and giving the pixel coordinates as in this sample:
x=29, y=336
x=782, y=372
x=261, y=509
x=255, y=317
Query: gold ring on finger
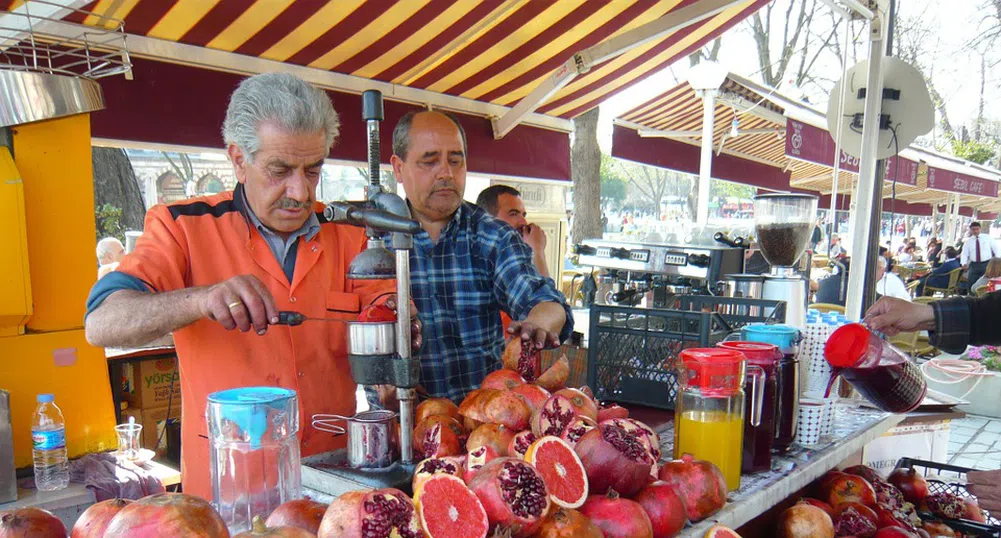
x=234, y=304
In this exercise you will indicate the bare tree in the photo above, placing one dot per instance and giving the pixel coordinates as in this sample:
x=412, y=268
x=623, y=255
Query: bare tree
x=585, y=170
x=709, y=52
x=181, y=165
x=656, y=183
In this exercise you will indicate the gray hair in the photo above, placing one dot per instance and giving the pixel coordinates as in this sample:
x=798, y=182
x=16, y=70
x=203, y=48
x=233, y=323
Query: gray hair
x=882, y=262
x=401, y=134
x=104, y=247
x=292, y=103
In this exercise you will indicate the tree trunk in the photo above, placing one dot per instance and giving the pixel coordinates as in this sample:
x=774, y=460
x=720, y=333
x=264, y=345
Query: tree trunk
x=115, y=183
x=585, y=170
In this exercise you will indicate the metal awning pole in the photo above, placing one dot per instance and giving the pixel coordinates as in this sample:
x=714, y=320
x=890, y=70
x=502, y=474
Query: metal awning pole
x=706, y=164
x=868, y=181
x=836, y=178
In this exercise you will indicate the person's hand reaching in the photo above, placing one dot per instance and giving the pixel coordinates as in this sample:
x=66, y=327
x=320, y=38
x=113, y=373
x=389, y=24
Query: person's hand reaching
x=891, y=316
x=986, y=485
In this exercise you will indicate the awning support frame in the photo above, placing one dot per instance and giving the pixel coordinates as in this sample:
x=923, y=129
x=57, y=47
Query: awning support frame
x=582, y=62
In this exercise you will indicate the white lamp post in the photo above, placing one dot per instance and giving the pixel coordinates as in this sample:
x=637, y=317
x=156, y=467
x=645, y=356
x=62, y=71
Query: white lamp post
x=706, y=79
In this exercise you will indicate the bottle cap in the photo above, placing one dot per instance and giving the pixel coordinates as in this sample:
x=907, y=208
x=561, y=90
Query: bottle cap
x=46, y=398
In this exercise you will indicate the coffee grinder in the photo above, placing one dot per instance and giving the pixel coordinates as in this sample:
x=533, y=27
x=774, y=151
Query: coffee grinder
x=379, y=353
x=783, y=223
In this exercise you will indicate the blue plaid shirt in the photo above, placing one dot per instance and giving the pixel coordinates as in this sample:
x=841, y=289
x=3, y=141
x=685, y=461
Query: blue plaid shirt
x=478, y=267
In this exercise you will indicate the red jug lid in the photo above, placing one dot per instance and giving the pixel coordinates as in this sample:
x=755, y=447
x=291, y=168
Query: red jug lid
x=756, y=353
x=847, y=345
x=714, y=371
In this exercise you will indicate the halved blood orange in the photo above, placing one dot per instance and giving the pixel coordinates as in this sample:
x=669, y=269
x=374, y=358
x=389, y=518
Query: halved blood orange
x=448, y=509
x=720, y=531
x=561, y=470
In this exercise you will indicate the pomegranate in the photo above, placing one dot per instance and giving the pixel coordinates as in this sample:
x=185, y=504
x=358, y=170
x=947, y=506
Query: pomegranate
x=804, y=520
x=849, y=488
x=432, y=466
x=261, y=529
x=168, y=514
x=894, y=532
x=617, y=517
x=428, y=423
x=644, y=433
x=583, y=404
x=553, y=417
x=893, y=517
x=911, y=484
x=854, y=519
x=887, y=495
x=520, y=443
x=568, y=523
x=495, y=436
x=588, y=392
x=448, y=509
x=555, y=378
x=305, y=514
x=509, y=409
x=377, y=313
x=475, y=461
x=870, y=474
x=972, y=511
x=95, y=520
x=819, y=504
x=614, y=459
x=30, y=523
x=699, y=483
x=472, y=406
x=435, y=406
x=945, y=505
x=470, y=424
x=513, y=494
x=523, y=357
x=502, y=379
x=379, y=513
x=922, y=533
x=534, y=395
x=610, y=411
x=664, y=507
x=938, y=529
x=438, y=441
x=576, y=429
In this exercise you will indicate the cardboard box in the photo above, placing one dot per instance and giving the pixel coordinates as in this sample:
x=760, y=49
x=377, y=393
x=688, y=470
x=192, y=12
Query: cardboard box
x=151, y=383
x=153, y=421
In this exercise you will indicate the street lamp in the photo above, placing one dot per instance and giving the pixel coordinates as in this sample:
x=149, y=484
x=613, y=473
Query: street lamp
x=706, y=78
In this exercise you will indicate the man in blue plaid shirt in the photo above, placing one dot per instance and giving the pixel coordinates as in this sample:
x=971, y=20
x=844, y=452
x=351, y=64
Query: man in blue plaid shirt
x=466, y=266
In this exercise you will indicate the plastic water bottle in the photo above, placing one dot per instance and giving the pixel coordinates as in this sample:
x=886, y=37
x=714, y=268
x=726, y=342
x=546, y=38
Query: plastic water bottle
x=48, y=435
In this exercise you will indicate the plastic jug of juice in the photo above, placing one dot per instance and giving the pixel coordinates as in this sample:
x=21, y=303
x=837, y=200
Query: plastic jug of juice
x=761, y=403
x=709, y=415
x=879, y=371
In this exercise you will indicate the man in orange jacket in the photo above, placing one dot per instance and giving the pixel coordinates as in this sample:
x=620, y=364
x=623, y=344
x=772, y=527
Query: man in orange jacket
x=207, y=266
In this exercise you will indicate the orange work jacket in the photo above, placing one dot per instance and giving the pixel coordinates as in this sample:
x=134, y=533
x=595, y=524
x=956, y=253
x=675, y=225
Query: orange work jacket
x=203, y=241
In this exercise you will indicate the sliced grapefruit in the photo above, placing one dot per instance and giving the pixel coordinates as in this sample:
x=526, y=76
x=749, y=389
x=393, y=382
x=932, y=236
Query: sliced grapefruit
x=720, y=531
x=448, y=509
x=561, y=470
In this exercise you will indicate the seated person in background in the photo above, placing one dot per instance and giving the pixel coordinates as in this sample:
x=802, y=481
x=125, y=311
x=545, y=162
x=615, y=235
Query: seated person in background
x=836, y=250
x=884, y=253
x=889, y=284
x=907, y=255
x=934, y=251
x=109, y=252
x=993, y=271
x=939, y=276
x=829, y=288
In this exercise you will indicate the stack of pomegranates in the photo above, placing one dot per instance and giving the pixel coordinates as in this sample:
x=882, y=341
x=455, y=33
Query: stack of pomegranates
x=857, y=502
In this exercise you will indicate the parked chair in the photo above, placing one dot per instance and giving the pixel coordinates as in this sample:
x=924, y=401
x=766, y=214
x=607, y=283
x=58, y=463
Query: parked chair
x=907, y=342
x=924, y=347
x=912, y=287
x=828, y=307
x=951, y=289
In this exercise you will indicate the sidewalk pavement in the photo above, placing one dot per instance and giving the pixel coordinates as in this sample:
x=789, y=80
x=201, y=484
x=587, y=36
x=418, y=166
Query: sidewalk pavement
x=975, y=442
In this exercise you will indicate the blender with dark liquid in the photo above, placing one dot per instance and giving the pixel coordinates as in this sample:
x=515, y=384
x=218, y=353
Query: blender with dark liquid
x=783, y=223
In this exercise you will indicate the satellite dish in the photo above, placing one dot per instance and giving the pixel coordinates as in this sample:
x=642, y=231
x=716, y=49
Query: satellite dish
x=907, y=108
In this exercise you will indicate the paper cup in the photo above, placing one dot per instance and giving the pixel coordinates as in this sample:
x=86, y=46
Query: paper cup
x=811, y=421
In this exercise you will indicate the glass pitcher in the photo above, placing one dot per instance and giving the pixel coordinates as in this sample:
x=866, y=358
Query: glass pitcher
x=879, y=371
x=253, y=452
x=761, y=402
x=709, y=416
x=787, y=388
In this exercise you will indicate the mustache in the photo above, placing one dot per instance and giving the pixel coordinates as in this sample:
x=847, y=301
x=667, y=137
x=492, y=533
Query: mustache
x=289, y=203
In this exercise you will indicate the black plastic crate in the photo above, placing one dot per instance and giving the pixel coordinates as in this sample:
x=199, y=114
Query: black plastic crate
x=633, y=352
x=736, y=311
x=945, y=478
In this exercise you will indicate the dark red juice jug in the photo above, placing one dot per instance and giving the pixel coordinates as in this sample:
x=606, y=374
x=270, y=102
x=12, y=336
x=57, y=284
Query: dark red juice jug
x=879, y=371
x=760, y=394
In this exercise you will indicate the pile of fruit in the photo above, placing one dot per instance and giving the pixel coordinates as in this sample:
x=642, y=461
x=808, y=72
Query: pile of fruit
x=524, y=455
x=857, y=502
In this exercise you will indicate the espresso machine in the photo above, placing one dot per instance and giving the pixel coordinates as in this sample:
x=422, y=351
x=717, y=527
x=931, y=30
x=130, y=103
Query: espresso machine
x=379, y=352
x=783, y=223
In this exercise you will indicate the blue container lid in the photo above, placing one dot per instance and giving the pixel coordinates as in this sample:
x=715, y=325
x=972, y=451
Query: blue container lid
x=784, y=336
x=247, y=407
x=46, y=398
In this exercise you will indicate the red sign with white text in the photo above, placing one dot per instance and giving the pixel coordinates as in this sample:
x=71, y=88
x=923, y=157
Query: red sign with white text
x=904, y=170
x=947, y=180
x=808, y=143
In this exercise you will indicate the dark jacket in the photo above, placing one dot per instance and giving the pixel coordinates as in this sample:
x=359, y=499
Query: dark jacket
x=962, y=321
x=939, y=276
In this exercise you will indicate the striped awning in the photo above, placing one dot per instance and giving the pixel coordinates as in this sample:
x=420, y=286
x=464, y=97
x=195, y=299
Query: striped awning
x=494, y=51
